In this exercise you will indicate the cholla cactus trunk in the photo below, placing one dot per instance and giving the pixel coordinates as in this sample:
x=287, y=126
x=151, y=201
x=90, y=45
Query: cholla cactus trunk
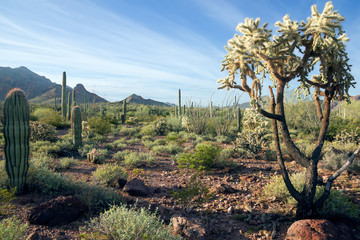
x=69, y=106
x=63, y=96
x=16, y=134
x=179, y=103
x=76, y=126
x=73, y=98
x=123, y=116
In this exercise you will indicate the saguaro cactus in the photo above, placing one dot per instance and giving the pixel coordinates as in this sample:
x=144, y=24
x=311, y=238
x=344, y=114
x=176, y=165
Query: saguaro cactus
x=73, y=98
x=69, y=106
x=123, y=115
x=16, y=134
x=63, y=96
x=76, y=126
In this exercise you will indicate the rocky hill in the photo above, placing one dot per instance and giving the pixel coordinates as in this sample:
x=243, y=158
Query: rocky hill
x=38, y=89
x=133, y=98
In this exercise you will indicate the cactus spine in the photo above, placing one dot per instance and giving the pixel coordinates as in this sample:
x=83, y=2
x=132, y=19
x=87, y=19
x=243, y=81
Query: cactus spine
x=179, y=103
x=63, y=96
x=16, y=134
x=69, y=106
x=76, y=126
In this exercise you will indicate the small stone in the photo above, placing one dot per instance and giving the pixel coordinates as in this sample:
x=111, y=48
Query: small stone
x=253, y=222
x=33, y=236
x=231, y=210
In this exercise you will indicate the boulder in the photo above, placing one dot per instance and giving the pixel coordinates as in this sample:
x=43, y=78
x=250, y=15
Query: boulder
x=318, y=229
x=136, y=187
x=190, y=228
x=59, y=211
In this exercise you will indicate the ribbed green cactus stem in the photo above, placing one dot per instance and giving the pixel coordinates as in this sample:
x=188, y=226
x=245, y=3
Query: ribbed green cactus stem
x=183, y=109
x=69, y=106
x=123, y=115
x=63, y=96
x=76, y=126
x=16, y=134
x=73, y=98
x=239, y=117
x=179, y=103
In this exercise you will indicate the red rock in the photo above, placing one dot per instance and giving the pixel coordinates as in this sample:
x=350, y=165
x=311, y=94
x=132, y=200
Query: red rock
x=318, y=229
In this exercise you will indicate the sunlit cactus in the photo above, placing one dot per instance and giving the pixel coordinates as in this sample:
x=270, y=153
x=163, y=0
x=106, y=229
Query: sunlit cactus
x=76, y=126
x=63, y=96
x=16, y=134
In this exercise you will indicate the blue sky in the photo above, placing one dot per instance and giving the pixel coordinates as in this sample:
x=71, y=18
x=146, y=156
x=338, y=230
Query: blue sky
x=148, y=47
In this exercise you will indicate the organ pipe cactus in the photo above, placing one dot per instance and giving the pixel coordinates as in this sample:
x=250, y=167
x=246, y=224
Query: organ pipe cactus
x=63, y=96
x=76, y=126
x=16, y=134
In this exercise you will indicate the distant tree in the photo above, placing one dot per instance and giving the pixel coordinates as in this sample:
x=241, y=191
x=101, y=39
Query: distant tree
x=298, y=52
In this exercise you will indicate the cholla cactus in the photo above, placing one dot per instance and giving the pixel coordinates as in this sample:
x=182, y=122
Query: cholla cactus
x=185, y=122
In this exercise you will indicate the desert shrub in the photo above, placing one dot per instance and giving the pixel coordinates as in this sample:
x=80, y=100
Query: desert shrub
x=349, y=136
x=6, y=197
x=48, y=116
x=40, y=159
x=12, y=229
x=169, y=149
x=4, y=179
x=150, y=144
x=66, y=163
x=108, y=174
x=120, y=155
x=134, y=141
x=138, y=159
x=174, y=124
x=245, y=153
x=121, y=223
x=172, y=137
x=334, y=159
x=224, y=158
x=148, y=130
x=270, y=155
x=195, y=192
x=202, y=157
x=45, y=147
x=99, y=125
x=119, y=144
x=336, y=204
x=223, y=139
x=160, y=127
x=130, y=131
x=253, y=140
x=42, y=132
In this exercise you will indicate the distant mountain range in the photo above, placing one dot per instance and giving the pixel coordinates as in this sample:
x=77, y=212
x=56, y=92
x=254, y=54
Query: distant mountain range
x=39, y=89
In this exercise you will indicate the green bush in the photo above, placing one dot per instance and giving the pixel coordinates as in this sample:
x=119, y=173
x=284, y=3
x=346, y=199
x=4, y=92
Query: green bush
x=12, y=229
x=42, y=132
x=45, y=147
x=335, y=204
x=169, y=149
x=121, y=223
x=202, y=158
x=120, y=155
x=195, y=192
x=99, y=125
x=335, y=159
x=108, y=174
x=138, y=159
x=130, y=131
x=148, y=130
x=66, y=163
x=48, y=116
